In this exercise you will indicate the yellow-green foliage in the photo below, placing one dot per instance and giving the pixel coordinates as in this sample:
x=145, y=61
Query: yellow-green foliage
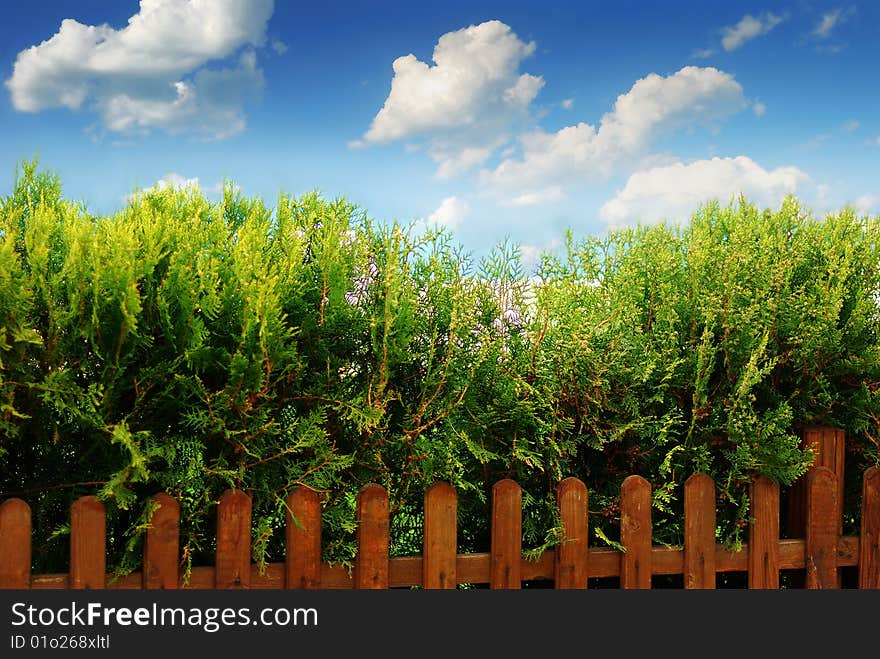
x=190, y=346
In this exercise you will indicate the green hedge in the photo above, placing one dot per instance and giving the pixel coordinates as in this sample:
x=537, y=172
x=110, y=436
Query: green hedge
x=191, y=346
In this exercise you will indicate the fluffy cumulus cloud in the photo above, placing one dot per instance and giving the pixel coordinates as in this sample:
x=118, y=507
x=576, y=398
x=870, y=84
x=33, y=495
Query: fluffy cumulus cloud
x=152, y=73
x=748, y=28
x=654, y=104
x=176, y=181
x=450, y=213
x=464, y=102
x=673, y=192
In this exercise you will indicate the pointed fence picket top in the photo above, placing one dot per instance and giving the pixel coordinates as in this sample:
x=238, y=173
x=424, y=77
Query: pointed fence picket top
x=15, y=544
x=303, y=539
x=571, y=569
x=699, y=532
x=635, y=533
x=506, y=550
x=371, y=567
x=233, y=560
x=440, y=537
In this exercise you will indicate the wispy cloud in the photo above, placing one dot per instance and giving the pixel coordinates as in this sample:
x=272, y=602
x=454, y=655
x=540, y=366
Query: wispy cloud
x=749, y=27
x=832, y=20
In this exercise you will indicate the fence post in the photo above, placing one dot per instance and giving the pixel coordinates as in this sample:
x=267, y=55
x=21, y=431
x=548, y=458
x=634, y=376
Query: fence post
x=233, y=561
x=440, y=537
x=15, y=544
x=303, y=539
x=764, y=534
x=571, y=553
x=635, y=533
x=869, y=537
x=699, y=532
x=822, y=530
x=828, y=445
x=88, y=542
x=506, y=549
x=162, y=545
x=372, y=566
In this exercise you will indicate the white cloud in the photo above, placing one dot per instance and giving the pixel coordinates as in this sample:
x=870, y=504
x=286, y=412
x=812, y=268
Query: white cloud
x=529, y=255
x=759, y=108
x=547, y=195
x=673, y=192
x=151, y=73
x=176, y=181
x=568, y=103
x=450, y=214
x=471, y=95
x=830, y=21
x=279, y=46
x=868, y=203
x=748, y=28
x=851, y=126
x=704, y=53
x=654, y=104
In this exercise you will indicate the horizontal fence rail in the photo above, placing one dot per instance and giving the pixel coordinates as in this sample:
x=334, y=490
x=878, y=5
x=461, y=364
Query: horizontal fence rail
x=820, y=554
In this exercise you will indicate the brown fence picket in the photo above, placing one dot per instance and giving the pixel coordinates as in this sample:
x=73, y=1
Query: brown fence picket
x=635, y=532
x=15, y=544
x=822, y=530
x=506, y=543
x=571, y=553
x=162, y=545
x=828, y=446
x=303, y=539
x=88, y=544
x=232, y=565
x=371, y=568
x=764, y=534
x=869, y=544
x=440, y=537
x=699, y=532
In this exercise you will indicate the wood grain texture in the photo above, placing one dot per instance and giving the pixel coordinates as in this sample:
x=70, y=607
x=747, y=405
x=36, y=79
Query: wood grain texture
x=764, y=534
x=571, y=569
x=635, y=533
x=828, y=446
x=372, y=563
x=822, y=530
x=88, y=542
x=440, y=537
x=233, y=559
x=869, y=545
x=699, y=532
x=303, y=539
x=15, y=544
x=506, y=549
x=162, y=545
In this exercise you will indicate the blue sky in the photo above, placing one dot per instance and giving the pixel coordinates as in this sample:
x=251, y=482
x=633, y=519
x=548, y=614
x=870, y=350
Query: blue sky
x=497, y=119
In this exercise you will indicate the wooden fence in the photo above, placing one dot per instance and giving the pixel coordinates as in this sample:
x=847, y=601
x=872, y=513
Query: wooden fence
x=820, y=553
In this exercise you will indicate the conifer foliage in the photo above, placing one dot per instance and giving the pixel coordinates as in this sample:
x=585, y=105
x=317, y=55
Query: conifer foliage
x=188, y=346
